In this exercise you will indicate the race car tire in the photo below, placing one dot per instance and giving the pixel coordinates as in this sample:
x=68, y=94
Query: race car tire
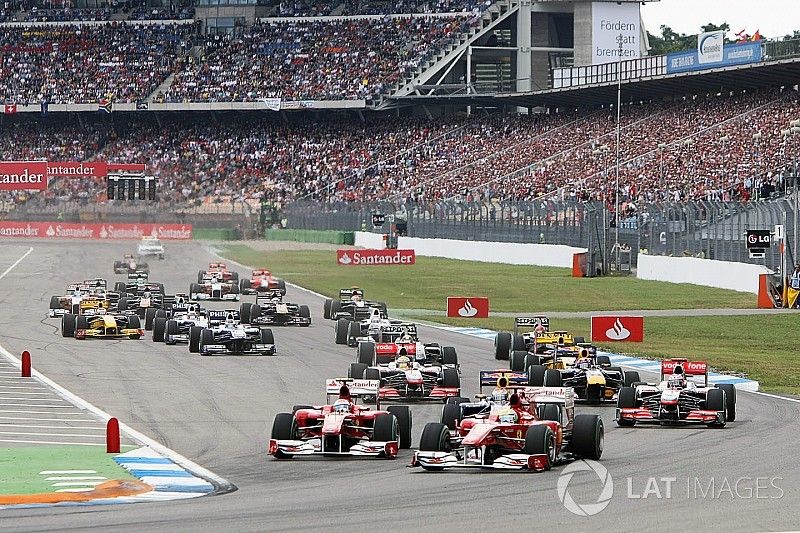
x=372, y=374
x=540, y=440
x=120, y=287
x=621, y=373
x=353, y=331
x=305, y=312
x=458, y=400
x=603, y=360
x=68, y=325
x=517, y=360
x=149, y=315
x=235, y=276
x=532, y=359
x=536, y=375
x=502, y=345
x=159, y=329
x=244, y=312
x=550, y=411
x=631, y=377
x=326, y=309
x=172, y=329
x=134, y=322
x=588, y=436
x=81, y=322
x=403, y=415
x=626, y=398
x=366, y=353
x=160, y=313
x=55, y=302
x=244, y=285
x=206, y=337
x=730, y=401
x=517, y=342
x=234, y=289
x=160, y=288
x=283, y=428
x=552, y=378
x=200, y=274
x=122, y=305
x=385, y=428
x=435, y=438
x=715, y=401
x=194, y=290
x=356, y=370
x=451, y=415
x=449, y=356
x=282, y=287
x=194, y=339
x=336, y=307
x=579, y=340
x=342, y=326
x=296, y=408
x=450, y=378
x=384, y=309
x=266, y=336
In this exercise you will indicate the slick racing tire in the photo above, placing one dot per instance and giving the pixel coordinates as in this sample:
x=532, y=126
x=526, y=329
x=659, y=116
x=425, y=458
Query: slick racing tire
x=532, y=359
x=283, y=428
x=588, y=436
x=458, y=400
x=194, y=339
x=55, y=302
x=435, y=438
x=282, y=287
x=626, y=398
x=540, y=440
x=68, y=325
x=305, y=312
x=244, y=285
x=403, y=415
x=206, y=337
x=159, y=329
x=244, y=312
x=550, y=411
x=449, y=356
x=336, y=307
x=356, y=370
x=451, y=415
x=235, y=277
x=552, y=378
x=372, y=374
x=502, y=345
x=450, y=378
x=266, y=336
x=517, y=360
x=81, y=323
x=518, y=343
x=326, y=309
x=385, y=428
x=366, y=353
x=353, y=331
x=149, y=315
x=200, y=275
x=715, y=401
x=134, y=322
x=119, y=287
x=172, y=329
x=194, y=290
x=730, y=401
x=631, y=377
x=296, y=408
x=536, y=375
x=340, y=330
x=603, y=360
x=122, y=305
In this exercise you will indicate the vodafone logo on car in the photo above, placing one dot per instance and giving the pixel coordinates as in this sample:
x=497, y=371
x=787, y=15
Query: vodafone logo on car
x=375, y=257
x=468, y=307
x=617, y=329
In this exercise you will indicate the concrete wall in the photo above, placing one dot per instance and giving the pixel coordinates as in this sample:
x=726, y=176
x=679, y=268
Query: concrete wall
x=583, y=34
x=722, y=274
x=487, y=252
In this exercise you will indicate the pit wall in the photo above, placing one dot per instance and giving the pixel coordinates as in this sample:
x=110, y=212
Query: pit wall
x=721, y=274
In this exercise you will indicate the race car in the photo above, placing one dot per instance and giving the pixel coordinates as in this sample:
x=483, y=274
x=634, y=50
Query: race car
x=526, y=328
x=150, y=246
x=136, y=283
x=130, y=264
x=219, y=271
x=101, y=326
x=176, y=327
x=536, y=429
x=349, y=332
x=227, y=335
x=214, y=287
x=271, y=310
x=261, y=281
x=351, y=305
x=145, y=305
x=397, y=339
x=81, y=299
x=343, y=427
x=404, y=379
x=676, y=399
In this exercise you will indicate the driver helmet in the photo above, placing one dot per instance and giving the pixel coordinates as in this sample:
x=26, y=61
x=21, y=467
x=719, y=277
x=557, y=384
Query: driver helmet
x=499, y=395
x=403, y=363
x=357, y=296
x=539, y=330
x=676, y=381
x=507, y=416
x=146, y=294
x=341, y=406
x=230, y=320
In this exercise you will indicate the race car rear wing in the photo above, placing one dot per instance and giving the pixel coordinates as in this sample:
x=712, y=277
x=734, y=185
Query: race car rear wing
x=272, y=294
x=687, y=368
x=489, y=378
x=358, y=388
x=346, y=294
x=560, y=395
x=137, y=275
x=217, y=317
x=531, y=322
x=391, y=332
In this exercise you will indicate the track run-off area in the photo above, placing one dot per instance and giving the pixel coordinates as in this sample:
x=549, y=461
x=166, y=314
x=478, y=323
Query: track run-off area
x=217, y=412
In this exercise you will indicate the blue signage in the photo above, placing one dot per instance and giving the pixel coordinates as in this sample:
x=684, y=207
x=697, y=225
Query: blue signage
x=732, y=54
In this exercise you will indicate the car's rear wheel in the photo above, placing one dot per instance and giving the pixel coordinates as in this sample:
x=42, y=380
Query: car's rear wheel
x=341, y=329
x=353, y=331
x=532, y=359
x=366, y=353
x=518, y=343
x=517, y=360
x=326, y=309
x=536, y=375
x=336, y=308
x=403, y=415
x=68, y=325
x=159, y=329
x=149, y=315
x=631, y=377
x=502, y=345
x=450, y=378
x=539, y=440
x=550, y=411
x=552, y=378
x=356, y=370
x=449, y=356
x=458, y=400
x=372, y=374
x=245, y=285
x=588, y=436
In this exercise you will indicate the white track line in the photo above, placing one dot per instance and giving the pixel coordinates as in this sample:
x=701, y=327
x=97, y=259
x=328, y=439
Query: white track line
x=18, y=261
x=45, y=419
x=77, y=483
x=55, y=472
x=28, y=434
x=15, y=411
x=34, y=404
x=53, y=442
x=75, y=478
x=8, y=425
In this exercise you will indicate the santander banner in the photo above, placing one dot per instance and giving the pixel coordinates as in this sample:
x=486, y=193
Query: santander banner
x=62, y=230
x=375, y=257
x=617, y=329
x=468, y=307
x=23, y=175
x=94, y=169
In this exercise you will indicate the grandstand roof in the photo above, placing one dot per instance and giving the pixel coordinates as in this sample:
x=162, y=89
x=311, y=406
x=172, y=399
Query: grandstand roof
x=765, y=74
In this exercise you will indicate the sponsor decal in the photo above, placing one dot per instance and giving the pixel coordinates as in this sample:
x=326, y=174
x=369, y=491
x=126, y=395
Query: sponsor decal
x=468, y=307
x=375, y=257
x=62, y=230
x=709, y=47
x=23, y=175
x=690, y=368
x=617, y=328
x=94, y=169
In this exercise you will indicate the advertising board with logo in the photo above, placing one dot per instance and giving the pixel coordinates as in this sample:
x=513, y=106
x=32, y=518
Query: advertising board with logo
x=614, y=24
x=731, y=54
x=709, y=47
x=375, y=257
x=617, y=328
x=23, y=175
x=468, y=306
x=65, y=230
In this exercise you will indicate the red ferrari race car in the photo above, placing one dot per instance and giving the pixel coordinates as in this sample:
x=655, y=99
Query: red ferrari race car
x=261, y=281
x=220, y=271
x=534, y=430
x=343, y=427
x=676, y=399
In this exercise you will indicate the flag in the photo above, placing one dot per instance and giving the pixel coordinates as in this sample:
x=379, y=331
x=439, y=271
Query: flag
x=142, y=105
x=756, y=36
x=44, y=108
x=105, y=105
x=10, y=109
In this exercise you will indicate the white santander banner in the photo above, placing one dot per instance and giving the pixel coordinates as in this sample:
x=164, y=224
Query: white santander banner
x=612, y=23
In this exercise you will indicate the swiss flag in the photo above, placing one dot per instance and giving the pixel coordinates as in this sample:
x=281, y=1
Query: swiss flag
x=10, y=109
x=617, y=328
x=468, y=307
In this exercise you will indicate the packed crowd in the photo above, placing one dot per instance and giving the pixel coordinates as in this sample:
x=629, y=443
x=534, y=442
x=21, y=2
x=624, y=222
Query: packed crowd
x=715, y=147
x=71, y=64
x=310, y=8
x=296, y=60
x=67, y=11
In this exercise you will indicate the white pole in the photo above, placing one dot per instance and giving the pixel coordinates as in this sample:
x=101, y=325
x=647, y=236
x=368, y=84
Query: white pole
x=619, y=103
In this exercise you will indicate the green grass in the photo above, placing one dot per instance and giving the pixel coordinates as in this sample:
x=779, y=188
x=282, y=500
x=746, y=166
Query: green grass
x=513, y=288
x=762, y=346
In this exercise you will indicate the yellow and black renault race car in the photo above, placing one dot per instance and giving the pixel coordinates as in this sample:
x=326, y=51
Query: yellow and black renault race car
x=101, y=326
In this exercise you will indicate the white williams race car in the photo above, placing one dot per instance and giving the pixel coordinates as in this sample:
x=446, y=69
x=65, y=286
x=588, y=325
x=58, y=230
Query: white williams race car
x=150, y=246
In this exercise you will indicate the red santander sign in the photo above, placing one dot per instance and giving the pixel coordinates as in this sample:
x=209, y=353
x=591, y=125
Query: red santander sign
x=375, y=257
x=617, y=328
x=468, y=307
x=23, y=175
x=62, y=230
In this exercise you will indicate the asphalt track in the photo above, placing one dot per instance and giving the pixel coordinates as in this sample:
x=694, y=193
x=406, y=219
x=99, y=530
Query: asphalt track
x=218, y=412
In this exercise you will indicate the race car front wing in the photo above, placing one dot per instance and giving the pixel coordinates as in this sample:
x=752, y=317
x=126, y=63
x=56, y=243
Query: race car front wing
x=386, y=450
x=436, y=393
x=647, y=416
x=512, y=461
x=255, y=349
